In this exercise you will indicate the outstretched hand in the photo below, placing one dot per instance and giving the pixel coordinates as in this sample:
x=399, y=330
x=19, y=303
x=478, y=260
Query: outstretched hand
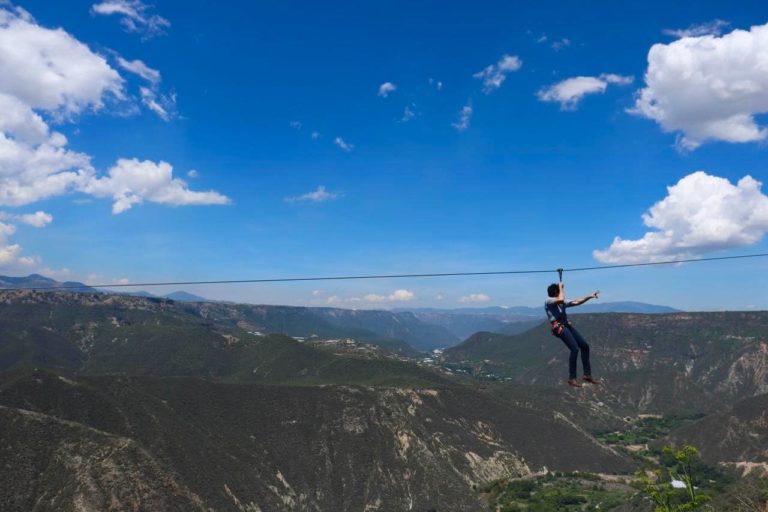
x=595, y=294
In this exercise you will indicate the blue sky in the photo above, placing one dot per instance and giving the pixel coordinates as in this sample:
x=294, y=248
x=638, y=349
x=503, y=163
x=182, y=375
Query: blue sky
x=258, y=100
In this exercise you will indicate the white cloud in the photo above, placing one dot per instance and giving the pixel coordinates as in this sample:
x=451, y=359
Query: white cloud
x=700, y=214
x=31, y=172
x=38, y=219
x=193, y=173
x=10, y=254
x=137, y=67
x=344, y=145
x=437, y=83
x=465, y=114
x=714, y=27
x=162, y=105
x=315, y=135
x=134, y=16
x=50, y=70
x=296, y=124
x=132, y=181
x=570, y=91
x=408, y=114
x=708, y=87
x=47, y=72
x=396, y=296
x=320, y=195
x=386, y=88
x=475, y=297
x=495, y=74
x=159, y=104
x=21, y=121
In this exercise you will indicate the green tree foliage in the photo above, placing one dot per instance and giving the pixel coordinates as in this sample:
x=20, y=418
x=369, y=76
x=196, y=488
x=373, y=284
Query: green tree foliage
x=665, y=497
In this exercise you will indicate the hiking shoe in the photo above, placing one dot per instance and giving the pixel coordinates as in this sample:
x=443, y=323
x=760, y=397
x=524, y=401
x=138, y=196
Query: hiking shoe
x=574, y=383
x=590, y=379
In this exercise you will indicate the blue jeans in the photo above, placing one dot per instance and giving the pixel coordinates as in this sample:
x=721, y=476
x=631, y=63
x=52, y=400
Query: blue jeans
x=575, y=342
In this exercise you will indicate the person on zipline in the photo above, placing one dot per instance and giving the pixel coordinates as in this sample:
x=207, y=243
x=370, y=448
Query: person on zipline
x=555, y=306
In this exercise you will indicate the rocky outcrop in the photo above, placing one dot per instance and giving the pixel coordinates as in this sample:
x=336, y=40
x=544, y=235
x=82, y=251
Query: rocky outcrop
x=272, y=448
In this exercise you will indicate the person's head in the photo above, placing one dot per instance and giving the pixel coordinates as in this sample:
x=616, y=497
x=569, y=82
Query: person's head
x=553, y=290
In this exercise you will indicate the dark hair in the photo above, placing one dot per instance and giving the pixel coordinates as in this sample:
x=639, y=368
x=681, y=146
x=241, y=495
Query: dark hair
x=553, y=290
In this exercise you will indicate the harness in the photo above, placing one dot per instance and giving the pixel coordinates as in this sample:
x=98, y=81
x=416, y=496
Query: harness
x=558, y=327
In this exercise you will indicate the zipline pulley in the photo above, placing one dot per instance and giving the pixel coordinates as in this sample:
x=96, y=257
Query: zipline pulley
x=560, y=273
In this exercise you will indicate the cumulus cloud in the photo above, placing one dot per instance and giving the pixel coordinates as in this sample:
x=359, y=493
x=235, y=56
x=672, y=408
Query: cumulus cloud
x=714, y=27
x=386, y=88
x=708, y=87
x=31, y=171
x=47, y=75
x=343, y=145
x=137, y=67
x=396, y=296
x=495, y=74
x=131, y=182
x=38, y=219
x=571, y=91
x=46, y=71
x=134, y=16
x=700, y=214
x=10, y=254
x=475, y=297
x=50, y=70
x=320, y=195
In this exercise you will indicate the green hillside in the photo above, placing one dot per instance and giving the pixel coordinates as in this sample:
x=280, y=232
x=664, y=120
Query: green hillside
x=93, y=334
x=275, y=447
x=677, y=363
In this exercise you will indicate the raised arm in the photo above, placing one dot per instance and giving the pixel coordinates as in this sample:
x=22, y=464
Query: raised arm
x=579, y=302
x=561, y=296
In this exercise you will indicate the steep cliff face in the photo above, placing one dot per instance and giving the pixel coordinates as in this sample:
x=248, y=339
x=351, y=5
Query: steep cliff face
x=657, y=363
x=53, y=464
x=738, y=436
x=250, y=447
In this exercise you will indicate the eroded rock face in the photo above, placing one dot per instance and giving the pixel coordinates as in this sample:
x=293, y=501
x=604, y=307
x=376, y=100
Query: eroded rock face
x=53, y=464
x=664, y=363
x=738, y=436
x=162, y=443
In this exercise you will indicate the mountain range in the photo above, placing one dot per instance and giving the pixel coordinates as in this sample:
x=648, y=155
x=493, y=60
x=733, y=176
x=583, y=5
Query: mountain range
x=123, y=403
x=422, y=328
x=663, y=363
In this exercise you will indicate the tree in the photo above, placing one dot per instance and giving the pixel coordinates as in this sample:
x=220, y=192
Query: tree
x=665, y=497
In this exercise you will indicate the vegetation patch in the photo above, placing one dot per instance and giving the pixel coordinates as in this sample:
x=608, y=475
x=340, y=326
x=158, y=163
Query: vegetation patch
x=565, y=492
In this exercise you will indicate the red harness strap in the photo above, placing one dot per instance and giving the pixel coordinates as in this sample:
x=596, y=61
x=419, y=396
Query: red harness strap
x=558, y=327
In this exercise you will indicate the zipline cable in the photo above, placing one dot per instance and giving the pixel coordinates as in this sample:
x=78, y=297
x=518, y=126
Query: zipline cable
x=385, y=276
